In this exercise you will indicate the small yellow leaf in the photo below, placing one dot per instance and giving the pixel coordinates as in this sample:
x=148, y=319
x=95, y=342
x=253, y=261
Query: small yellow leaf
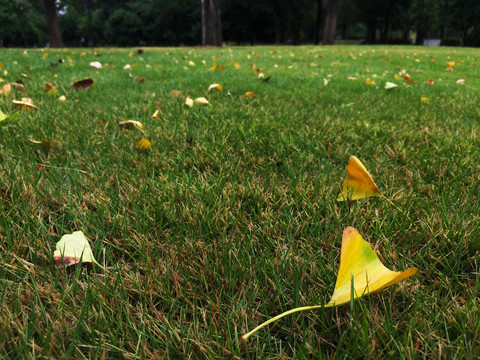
x=62, y=98
x=201, y=101
x=237, y=65
x=131, y=124
x=155, y=115
x=370, y=82
x=72, y=249
x=82, y=54
x=3, y=117
x=359, y=183
x=25, y=103
x=248, y=94
x=215, y=86
x=212, y=68
x=45, y=55
x=191, y=63
x=189, y=101
x=425, y=100
x=175, y=92
x=143, y=144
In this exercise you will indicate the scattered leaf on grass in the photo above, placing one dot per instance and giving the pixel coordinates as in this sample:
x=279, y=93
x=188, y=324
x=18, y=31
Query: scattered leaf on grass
x=83, y=84
x=201, y=101
x=155, y=115
x=72, y=249
x=132, y=124
x=3, y=117
x=5, y=89
x=390, y=85
x=360, y=270
x=248, y=94
x=25, y=103
x=127, y=67
x=215, y=86
x=370, y=82
x=62, y=98
x=359, y=183
x=143, y=144
x=175, y=92
x=430, y=82
x=96, y=65
x=189, y=101
x=425, y=100
x=409, y=79
x=461, y=81
x=51, y=144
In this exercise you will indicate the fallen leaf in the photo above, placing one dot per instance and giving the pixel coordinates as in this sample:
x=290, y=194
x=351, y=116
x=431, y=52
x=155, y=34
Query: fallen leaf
x=155, y=115
x=212, y=68
x=96, y=65
x=25, y=103
x=189, y=101
x=45, y=55
x=425, y=100
x=127, y=67
x=360, y=270
x=237, y=65
x=220, y=67
x=430, y=82
x=370, y=82
x=132, y=124
x=248, y=94
x=175, y=92
x=51, y=144
x=6, y=89
x=143, y=144
x=201, y=101
x=83, y=84
x=191, y=63
x=359, y=183
x=72, y=249
x=451, y=63
x=461, y=81
x=390, y=85
x=48, y=86
x=409, y=79
x=62, y=98
x=215, y=86
x=3, y=117
x=325, y=82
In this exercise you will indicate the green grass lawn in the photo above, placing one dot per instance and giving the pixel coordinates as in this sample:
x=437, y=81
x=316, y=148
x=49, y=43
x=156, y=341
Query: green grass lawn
x=232, y=216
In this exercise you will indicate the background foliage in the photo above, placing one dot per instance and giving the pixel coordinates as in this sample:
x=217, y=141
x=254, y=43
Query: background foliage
x=177, y=22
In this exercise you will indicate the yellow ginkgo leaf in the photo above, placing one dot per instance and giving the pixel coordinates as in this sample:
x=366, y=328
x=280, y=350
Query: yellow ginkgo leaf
x=189, y=101
x=425, y=100
x=25, y=103
x=154, y=115
x=215, y=86
x=2, y=116
x=143, y=144
x=237, y=65
x=131, y=124
x=72, y=249
x=359, y=183
x=360, y=270
x=201, y=101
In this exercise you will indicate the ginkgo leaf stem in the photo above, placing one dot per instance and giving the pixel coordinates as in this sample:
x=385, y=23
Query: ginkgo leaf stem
x=395, y=206
x=246, y=336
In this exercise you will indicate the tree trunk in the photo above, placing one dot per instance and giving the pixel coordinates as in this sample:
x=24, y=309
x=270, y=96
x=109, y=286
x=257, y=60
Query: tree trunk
x=211, y=23
x=318, y=22
x=371, y=32
x=54, y=35
x=330, y=23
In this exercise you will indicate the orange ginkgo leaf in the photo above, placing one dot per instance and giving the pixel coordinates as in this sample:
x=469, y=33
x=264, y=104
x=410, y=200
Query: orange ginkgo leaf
x=360, y=270
x=359, y=183
x=248, y=94
x=409, y=79
x=5, y=89
x=215, y=86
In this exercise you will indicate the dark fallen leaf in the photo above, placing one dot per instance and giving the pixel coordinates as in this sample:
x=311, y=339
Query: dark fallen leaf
x=83, y=84
x=48, y=86
x=140, y=51
x=142, y=80
x=60, y=61
x=190, y=140
x=267, y=79
x=18, y=85
x=28, y=68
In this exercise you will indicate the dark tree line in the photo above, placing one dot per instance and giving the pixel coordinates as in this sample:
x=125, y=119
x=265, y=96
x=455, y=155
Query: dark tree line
x=213, y=22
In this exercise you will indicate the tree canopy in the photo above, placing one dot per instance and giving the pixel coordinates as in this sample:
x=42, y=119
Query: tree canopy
x=178, y=22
